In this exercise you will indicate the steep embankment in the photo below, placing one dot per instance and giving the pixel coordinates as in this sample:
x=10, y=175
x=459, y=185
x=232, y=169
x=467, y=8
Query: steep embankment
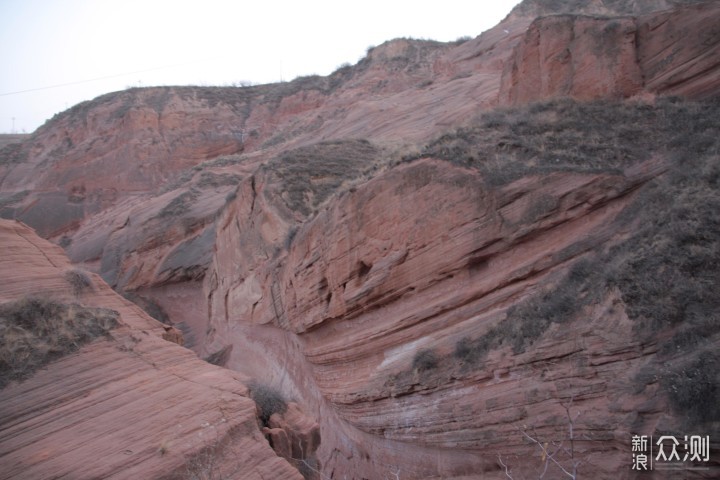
x=126, y=144
x=427, y=315
x=130, y=183
x=122, y=184
x=424, y=297
x=128, y=405
x=670, y=53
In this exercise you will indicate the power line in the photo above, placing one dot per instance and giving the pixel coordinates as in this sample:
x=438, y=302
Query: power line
x=103, y=78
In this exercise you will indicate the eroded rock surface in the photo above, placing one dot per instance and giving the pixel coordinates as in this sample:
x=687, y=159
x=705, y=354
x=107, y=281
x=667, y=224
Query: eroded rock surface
x=673, y=52
x=425, y=281
x=133, y=405
x=430, y=315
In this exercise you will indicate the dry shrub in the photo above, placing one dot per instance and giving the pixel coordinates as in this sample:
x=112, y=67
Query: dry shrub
x=269, y=400
x=425, y=360
x=79, y=280
x=309, y=175
x=36, y=330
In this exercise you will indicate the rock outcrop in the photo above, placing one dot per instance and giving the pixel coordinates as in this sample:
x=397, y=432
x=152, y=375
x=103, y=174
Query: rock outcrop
x=127, y=145
x=670, y=53
x=423, y=283
x=133, y=405
x=689, y=67
x=414, y=313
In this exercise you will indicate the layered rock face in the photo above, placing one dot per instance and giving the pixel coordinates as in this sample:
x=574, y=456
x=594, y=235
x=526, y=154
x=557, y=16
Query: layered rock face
x=591, y=57
x=127, y=145
x=130, y=405
x=379, y=294
x=435, y=312
x=425, y=285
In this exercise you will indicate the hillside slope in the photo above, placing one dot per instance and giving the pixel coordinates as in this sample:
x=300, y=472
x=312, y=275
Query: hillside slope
x=516, y=266
x=671, y=53
x=430, y=256
x=129, y=405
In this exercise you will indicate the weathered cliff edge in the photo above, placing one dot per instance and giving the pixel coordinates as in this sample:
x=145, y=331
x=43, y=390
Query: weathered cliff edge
x=393, y=315
x=672, y=53
x=132, y=405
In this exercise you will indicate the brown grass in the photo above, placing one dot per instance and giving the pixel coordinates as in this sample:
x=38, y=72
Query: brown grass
x=564, y=135
x=667, y=270
x=37, y=330
x=309, y=175
x=79, y=281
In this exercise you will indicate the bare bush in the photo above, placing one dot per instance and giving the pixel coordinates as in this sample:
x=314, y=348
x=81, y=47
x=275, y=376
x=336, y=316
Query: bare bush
x=557, y=454
x=425, y=360
x=36, y=330
x=269, y=401
x=79, y=281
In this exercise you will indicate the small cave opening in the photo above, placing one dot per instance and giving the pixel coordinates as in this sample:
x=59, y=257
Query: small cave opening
x=363, y=269
x=324, y=291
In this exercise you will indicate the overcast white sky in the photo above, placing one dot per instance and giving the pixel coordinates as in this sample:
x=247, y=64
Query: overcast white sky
x=85, y=48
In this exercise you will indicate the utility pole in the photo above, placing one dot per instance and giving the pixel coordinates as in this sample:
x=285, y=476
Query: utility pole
x=13, y=128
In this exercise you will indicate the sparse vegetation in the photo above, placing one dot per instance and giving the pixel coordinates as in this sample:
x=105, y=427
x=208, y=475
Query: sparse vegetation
x=79, y=281
x=556, y=455
x=529, y=320
x=179, y=180
x=36, y=330
x=461, y=75
x=158, y=98
x=471, y=351
x=231, y=195
x=205, y=465
x=694, y=389
x=269, y=401
x=538, y=8
x=292, y=231
x=222, y=161
x=309, y=175
x=164, y=447
x=13, y=153
x=65, y=241
x=13, y=198
x=215, y=460
x=220, y=357
x=667, y=271
x=150, y=306
x=564, y=135
x=179, y=205
x=425, y=360
x=214, y=180
x=672, y=269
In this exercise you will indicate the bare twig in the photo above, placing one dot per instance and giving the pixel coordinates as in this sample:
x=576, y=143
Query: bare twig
x=571, y=428
x=550, y=454
x=507, y=473
x=305, y=462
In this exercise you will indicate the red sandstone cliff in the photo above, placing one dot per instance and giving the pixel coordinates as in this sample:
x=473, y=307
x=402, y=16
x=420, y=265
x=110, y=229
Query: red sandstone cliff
x=593, y=57
x=426, y=281
x=132, y=405
x=424, y=258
